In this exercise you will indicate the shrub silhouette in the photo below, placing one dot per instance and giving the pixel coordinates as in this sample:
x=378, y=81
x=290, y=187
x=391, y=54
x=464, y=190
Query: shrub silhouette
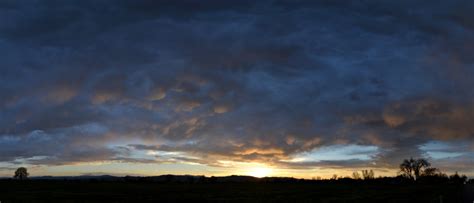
x=21, y=173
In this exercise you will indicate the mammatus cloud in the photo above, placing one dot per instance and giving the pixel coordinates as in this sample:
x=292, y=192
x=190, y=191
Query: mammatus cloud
x=211, y=82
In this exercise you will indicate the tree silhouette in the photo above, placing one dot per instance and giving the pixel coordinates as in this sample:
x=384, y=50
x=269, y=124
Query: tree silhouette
x=368, y=174
x=456, y=178
x=355, y=175
x=430, y=171
x=413, y=168
x=21, y=173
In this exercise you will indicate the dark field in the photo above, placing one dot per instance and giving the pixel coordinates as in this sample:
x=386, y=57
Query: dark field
x=112, y=191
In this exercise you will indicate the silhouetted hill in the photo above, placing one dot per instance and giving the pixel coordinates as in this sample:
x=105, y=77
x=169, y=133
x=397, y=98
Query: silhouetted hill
x=82, y=177
x=164, y=178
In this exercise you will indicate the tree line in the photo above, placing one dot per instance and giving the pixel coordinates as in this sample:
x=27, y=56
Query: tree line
x=413, y=170
x=416, y=170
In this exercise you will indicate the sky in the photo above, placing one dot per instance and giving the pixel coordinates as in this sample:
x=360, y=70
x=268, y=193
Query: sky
x=264, y=88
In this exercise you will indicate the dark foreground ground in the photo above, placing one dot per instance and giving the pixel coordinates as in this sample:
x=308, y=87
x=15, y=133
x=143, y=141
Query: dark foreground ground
x=80, y=191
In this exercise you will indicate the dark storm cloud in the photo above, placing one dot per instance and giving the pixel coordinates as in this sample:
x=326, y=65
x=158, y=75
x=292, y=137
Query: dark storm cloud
x=235, y=80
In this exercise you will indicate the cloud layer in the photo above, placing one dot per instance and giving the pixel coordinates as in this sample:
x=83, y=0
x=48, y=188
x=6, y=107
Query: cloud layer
x=211, y=81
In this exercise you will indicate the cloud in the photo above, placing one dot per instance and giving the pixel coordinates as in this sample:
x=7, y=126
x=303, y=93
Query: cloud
x=83, y=80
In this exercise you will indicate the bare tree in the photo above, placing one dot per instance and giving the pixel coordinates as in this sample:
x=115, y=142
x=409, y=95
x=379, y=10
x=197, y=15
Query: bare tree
x=368, y=174
x=21, y=173
x=406, y=168
x=419, y=165
x=413, y=168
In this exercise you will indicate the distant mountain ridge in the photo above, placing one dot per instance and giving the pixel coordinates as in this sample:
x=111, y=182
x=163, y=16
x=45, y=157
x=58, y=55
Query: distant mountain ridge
x=164, y=178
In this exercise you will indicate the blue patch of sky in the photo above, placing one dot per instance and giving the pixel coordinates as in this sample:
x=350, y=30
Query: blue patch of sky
x=339, y=153
x=442, y=150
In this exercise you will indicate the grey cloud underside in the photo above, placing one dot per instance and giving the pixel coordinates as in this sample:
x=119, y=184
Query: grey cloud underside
x=233, y=80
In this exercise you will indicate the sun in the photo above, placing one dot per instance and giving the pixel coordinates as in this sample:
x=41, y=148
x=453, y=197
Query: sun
x=260, y=172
